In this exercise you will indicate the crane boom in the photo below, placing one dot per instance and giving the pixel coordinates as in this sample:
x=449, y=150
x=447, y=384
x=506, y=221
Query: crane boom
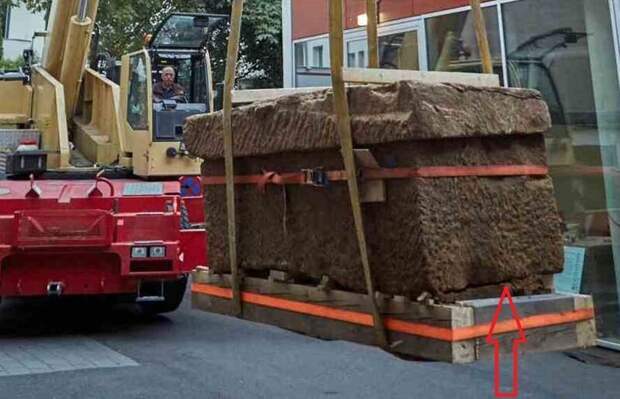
x=68, y=44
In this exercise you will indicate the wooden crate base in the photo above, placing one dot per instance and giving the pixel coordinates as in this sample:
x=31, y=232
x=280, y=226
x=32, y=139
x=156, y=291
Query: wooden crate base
x=451, y=333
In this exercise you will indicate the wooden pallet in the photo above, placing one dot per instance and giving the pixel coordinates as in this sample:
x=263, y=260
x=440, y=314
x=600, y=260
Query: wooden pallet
x=452, y=333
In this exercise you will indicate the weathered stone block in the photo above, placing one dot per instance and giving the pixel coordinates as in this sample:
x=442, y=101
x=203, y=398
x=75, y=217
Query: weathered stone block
x=452, y=237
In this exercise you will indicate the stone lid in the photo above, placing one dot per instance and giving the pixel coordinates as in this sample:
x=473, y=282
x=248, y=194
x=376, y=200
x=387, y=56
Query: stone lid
x=403, y=111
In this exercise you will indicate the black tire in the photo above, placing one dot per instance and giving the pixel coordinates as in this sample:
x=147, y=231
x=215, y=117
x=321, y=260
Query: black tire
x=174, y=291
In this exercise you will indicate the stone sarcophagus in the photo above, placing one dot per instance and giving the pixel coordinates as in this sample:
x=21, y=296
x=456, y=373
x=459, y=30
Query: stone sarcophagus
x=452, y=236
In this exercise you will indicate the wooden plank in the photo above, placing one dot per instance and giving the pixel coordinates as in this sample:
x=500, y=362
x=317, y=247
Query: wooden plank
x=481, y=36
x=586, y=331
x=343, y=122
x=371, y=75
x=251, y=96
x=547, y=339
x=434, y=315
x=371, y=33
x=371, y=191
x=279, y=275
x=556, y=308
x=554, y=338
x=461, y=316
x=381, y=76
x=321, y=328
x=231, y=65
x=484, y=309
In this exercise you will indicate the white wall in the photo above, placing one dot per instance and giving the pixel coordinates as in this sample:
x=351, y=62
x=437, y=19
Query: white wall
x=22, y=26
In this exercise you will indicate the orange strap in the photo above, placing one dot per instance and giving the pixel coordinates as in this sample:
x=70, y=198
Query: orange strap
x=417, y=329
x=302, y=178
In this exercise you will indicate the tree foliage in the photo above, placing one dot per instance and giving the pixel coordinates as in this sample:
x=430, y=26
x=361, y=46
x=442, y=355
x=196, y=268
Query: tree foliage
x=122, y=25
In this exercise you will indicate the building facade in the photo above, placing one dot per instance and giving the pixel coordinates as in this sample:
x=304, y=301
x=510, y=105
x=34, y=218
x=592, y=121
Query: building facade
x=566, y=49
x=20, y=26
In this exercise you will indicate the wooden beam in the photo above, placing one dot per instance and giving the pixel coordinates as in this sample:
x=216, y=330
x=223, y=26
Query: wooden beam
x=371, y=32
x=343, y=121
x=481, y=36
x=379, y=76
x=454, y=333
x=370, y=190
x=231, y=65
x=370, y=75
x=251, y=96
x=319, y=327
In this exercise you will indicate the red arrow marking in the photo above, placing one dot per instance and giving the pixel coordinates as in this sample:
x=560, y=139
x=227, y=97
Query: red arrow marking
x=491, y=340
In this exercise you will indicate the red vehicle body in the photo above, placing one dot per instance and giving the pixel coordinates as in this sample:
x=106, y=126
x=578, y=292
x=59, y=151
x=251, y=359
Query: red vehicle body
x=75, y=237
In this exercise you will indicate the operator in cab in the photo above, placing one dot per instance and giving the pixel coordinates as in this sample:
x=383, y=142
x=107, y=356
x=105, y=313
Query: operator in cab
x=167, y=89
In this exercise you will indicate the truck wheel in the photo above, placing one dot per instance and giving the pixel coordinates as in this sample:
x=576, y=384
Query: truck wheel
x=174, y=291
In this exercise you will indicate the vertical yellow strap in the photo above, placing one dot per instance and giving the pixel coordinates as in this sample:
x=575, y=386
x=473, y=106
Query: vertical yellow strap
x=231, y=65
x=371, y=32
x=343, y=120
x=481, y=36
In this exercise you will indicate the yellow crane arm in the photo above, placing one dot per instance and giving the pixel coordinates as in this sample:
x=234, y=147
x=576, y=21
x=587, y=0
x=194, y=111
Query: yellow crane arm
x=67, y=47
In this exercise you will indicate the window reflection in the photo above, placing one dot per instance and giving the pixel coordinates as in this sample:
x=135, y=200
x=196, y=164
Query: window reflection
x=452, y=43
x=564, y=49
x=399, y=51
x=137, y=100
x=356, y=53
x=301, y=54
x=396, y=51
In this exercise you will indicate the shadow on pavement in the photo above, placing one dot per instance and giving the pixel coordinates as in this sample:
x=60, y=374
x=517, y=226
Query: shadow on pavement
x=59, y=316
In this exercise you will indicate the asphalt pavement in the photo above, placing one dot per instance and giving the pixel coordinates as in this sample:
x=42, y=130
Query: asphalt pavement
x=79, y=349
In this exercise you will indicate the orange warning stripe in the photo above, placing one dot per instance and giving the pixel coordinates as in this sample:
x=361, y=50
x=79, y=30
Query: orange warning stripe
x=362, y=319
x=396, y=325
x=387, y=173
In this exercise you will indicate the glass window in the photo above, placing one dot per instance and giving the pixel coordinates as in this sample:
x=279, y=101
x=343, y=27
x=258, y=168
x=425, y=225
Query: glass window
x=317, y=56
x=137, y=97
x=565, y=49
x=7, y=22
x=312, y=63
x=452, y=44
x=351, y=60
x=183, y=70
x=361, y=57
x=399, y=51
x=200, y=82
x=356, y=53
x=396, y=51
x=300, y=55
x=185, y=31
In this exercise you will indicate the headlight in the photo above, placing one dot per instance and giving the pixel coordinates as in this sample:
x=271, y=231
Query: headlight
x=139, y=252
x=157, y=252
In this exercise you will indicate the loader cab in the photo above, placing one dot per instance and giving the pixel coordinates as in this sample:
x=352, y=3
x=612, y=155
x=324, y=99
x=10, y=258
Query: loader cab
x=155, y=128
